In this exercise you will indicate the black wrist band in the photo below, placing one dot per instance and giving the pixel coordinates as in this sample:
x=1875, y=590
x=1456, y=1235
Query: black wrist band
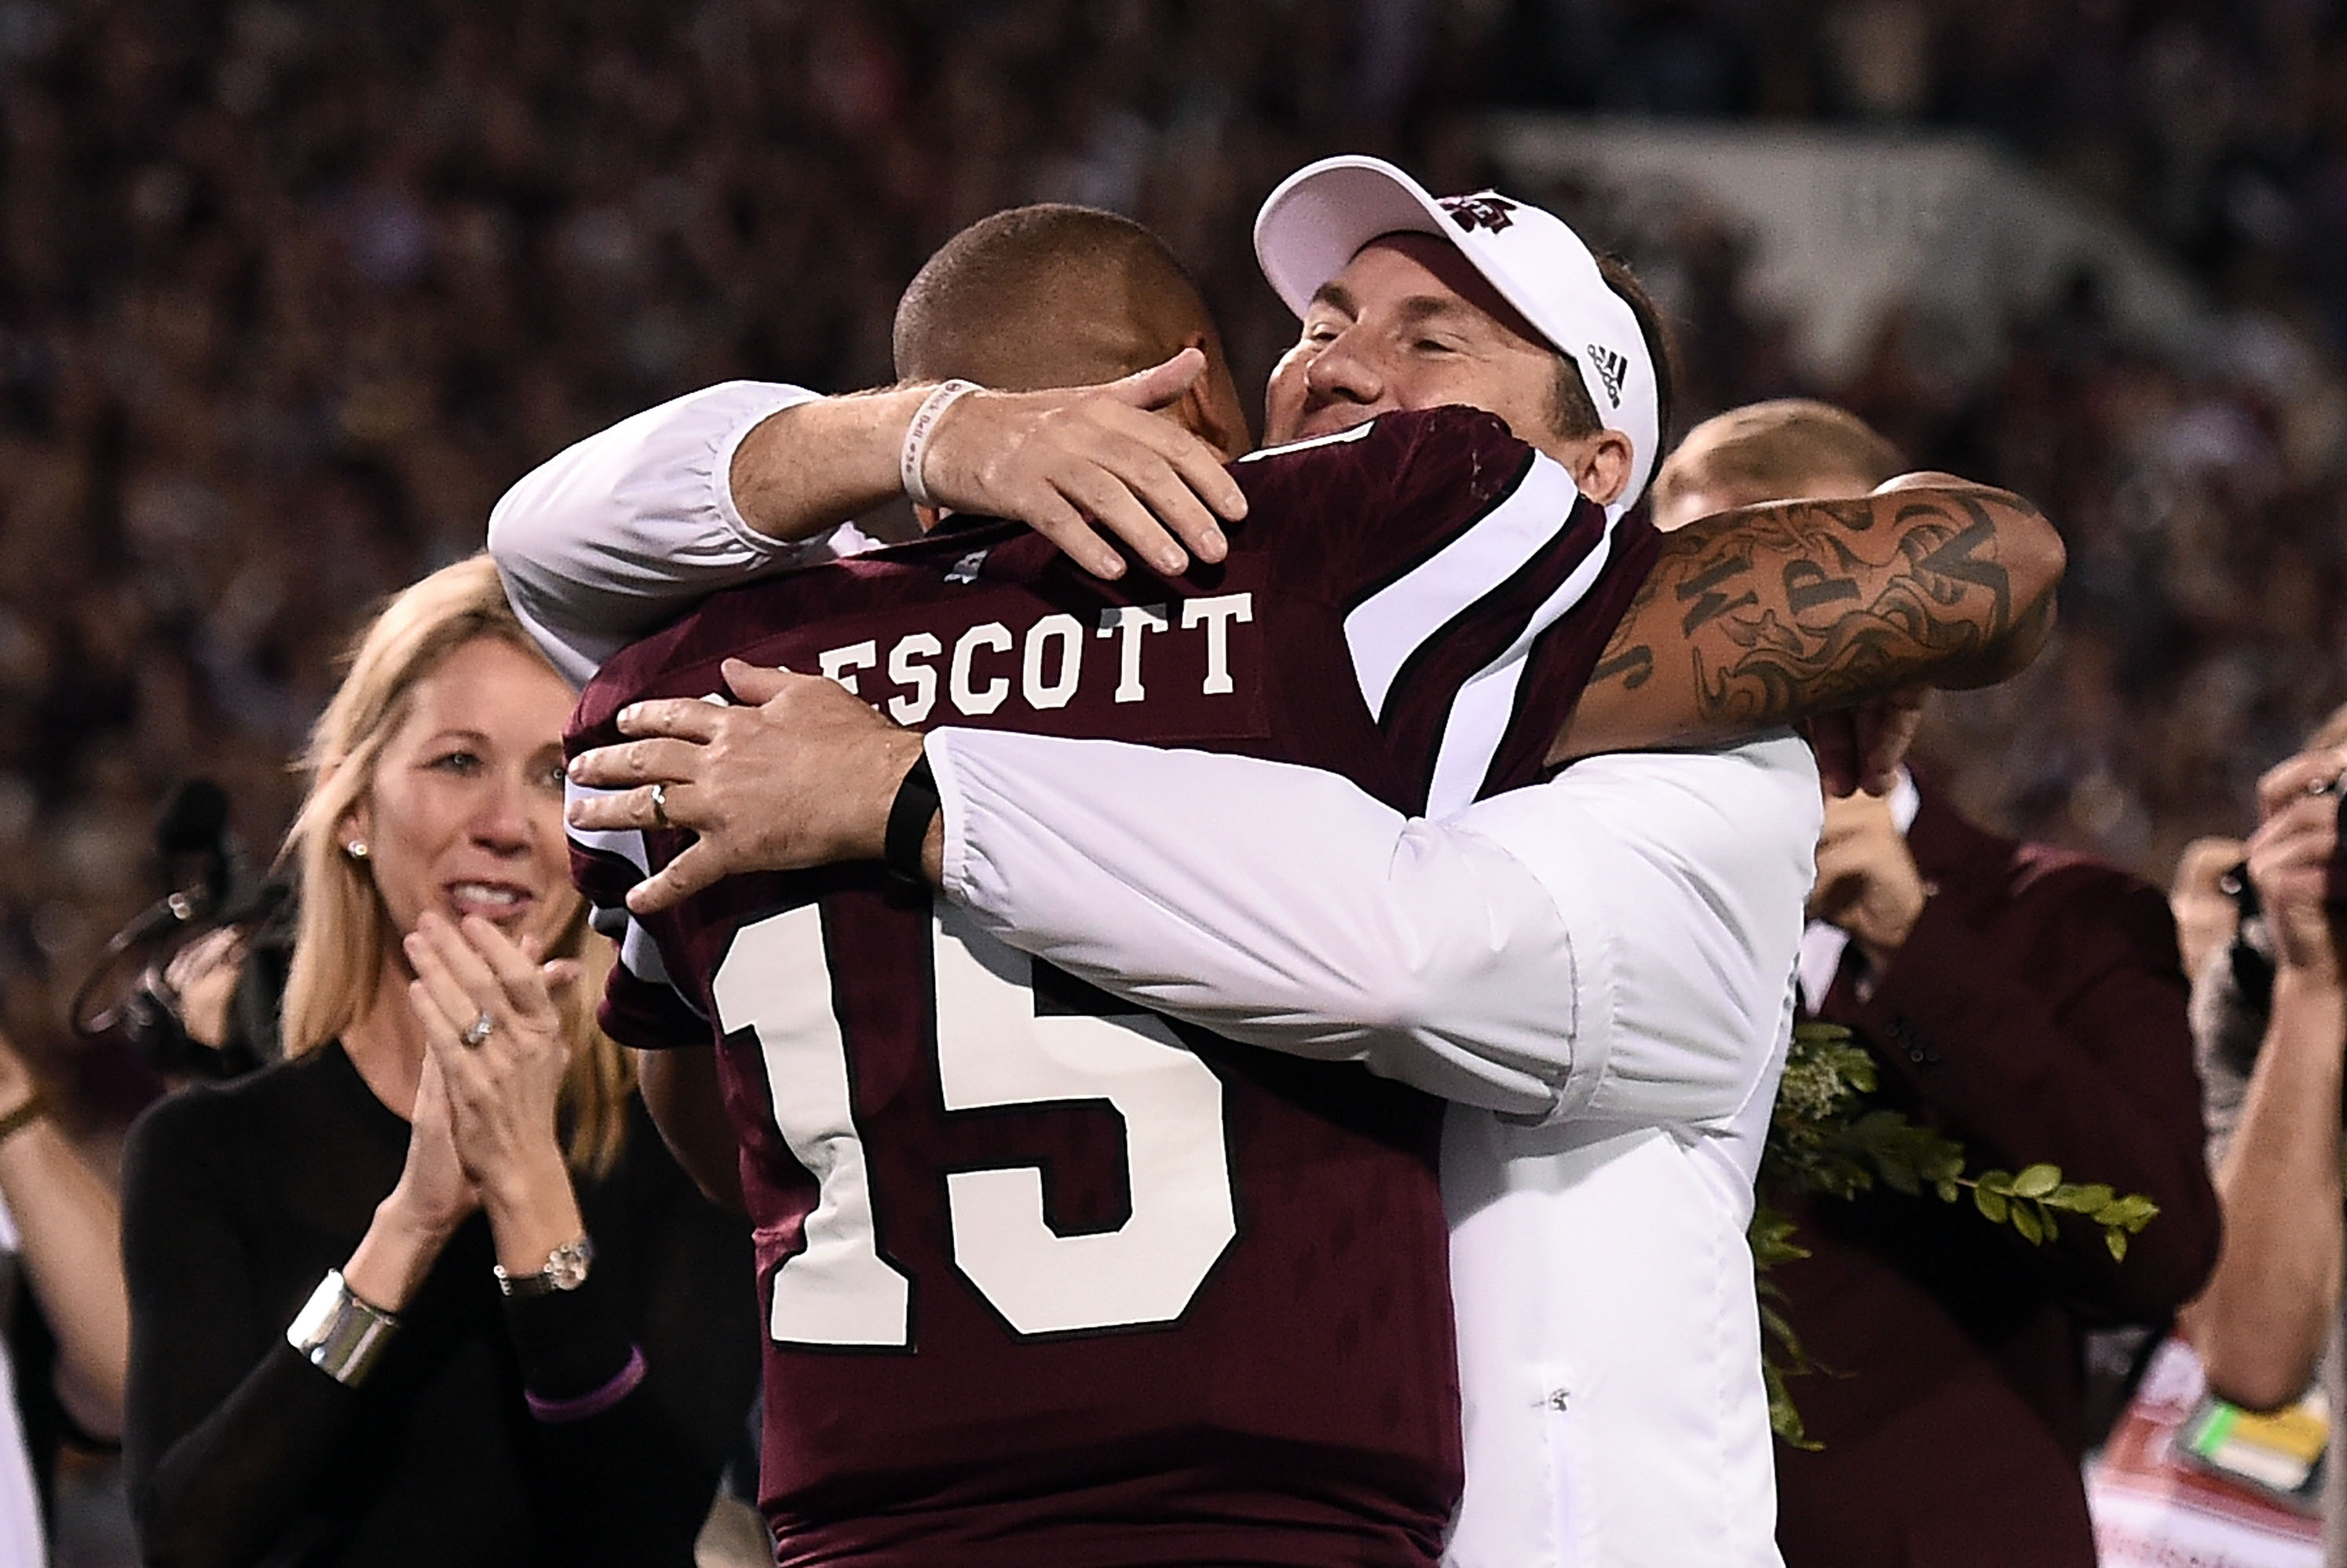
x=916, y=806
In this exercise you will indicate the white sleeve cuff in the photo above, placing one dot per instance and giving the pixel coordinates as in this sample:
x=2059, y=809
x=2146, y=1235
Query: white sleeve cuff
x=618, y=532
x=755, y=407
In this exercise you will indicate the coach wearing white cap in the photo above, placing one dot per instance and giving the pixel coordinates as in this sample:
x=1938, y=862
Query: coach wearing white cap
x=1607, y=1325
x=1608, y=1330
x=1408, y=301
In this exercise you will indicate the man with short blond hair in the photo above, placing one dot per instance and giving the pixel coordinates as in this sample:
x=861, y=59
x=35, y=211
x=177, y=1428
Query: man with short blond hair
x=1771, y=451
x=2026, y=1002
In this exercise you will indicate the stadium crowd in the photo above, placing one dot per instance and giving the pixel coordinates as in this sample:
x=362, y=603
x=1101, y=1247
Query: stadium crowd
x=291, y=293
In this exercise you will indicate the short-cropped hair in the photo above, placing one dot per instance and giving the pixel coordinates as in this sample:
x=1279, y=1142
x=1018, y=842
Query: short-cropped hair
x=1779, y=448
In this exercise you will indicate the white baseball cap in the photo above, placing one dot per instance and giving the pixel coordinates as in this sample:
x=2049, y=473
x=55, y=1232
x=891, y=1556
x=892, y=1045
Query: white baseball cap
x=1320, y=216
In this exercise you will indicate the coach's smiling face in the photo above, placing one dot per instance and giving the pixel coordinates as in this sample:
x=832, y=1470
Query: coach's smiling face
x=1409, y=324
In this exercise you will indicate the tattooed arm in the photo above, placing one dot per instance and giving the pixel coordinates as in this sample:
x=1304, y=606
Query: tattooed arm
x=1773, y=614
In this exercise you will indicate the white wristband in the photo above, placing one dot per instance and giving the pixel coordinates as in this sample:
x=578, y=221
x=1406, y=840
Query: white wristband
x=916, y=449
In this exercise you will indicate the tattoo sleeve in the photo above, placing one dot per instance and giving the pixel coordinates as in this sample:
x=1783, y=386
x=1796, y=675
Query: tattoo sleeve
x=1762, y=617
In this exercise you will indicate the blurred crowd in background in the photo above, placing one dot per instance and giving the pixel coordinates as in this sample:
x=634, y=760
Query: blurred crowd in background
x=289, y=293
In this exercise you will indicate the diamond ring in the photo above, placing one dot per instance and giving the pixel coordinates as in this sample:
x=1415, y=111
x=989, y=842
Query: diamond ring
x=660, y=804
x=479, y=1029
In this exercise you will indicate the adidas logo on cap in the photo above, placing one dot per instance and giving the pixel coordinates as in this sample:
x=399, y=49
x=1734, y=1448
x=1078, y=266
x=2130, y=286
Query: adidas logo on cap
x=1611, y=368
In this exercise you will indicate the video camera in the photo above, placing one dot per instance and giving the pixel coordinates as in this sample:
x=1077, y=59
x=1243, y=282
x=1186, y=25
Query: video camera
x=211, y=885
x=2253, y=971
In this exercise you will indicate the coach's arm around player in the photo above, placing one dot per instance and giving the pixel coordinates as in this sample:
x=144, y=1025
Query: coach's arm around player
x=1441, y=952
x=1749, y=619
x=1285, y=907
x=1831, y=613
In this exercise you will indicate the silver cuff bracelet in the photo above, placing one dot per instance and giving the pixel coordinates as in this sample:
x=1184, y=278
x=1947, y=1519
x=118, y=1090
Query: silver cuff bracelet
x=338, y=1334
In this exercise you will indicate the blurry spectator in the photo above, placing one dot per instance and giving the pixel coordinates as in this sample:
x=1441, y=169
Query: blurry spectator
x=66, y=1326
x=2028, y=1004
x=444, y=1132
x=2271, y=1021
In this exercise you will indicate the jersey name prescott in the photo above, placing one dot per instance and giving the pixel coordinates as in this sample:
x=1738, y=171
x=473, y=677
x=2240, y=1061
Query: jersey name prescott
x=1039, y=667
x=1049, y=1278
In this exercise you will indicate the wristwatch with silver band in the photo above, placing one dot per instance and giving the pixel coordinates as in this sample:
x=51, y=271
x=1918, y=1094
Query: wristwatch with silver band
x=565, y=1268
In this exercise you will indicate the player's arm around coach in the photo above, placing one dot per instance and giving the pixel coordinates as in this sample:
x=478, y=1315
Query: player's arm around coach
x=1681, y=670
x=1946, y=583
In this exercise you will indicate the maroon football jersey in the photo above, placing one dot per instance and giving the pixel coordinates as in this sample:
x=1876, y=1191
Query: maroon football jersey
x=1048, y=1278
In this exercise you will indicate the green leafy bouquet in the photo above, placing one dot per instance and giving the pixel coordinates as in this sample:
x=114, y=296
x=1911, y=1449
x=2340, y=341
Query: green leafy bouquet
x=1825, y=1137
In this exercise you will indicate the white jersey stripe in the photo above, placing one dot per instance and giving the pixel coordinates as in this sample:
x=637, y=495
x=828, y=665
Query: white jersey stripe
x=1354, y=433
x=1478, y=719
x=639, y=954
x=627, y=842
x=643, y=957
x=1389, y=626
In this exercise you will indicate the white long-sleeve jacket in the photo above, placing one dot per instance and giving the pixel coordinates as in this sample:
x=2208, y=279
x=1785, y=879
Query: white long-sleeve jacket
x=1597, y=972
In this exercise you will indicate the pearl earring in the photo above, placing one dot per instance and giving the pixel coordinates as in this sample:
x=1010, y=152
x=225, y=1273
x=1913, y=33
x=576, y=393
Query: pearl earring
x=356, y=849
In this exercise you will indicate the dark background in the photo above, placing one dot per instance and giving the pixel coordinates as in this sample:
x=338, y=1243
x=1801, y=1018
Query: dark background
x=289, y=293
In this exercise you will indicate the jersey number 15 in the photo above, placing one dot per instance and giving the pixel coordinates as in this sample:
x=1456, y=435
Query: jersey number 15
x=993, y=1050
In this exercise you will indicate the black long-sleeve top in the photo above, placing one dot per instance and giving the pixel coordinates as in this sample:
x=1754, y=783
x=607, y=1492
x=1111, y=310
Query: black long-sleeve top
x=238, y=1199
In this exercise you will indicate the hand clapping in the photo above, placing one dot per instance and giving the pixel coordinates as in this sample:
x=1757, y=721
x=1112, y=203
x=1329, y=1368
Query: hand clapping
x=493, y=1036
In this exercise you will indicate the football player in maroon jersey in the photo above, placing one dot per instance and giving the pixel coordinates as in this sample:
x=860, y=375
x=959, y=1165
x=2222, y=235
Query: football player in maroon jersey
x=903, y=654
x=1047, y=1278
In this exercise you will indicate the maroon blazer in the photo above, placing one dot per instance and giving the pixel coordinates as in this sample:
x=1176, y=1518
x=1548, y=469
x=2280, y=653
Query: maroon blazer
x=2036, y=1012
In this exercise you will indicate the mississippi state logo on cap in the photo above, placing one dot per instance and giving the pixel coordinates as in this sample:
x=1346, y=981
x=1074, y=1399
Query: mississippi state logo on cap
x=1485, y=212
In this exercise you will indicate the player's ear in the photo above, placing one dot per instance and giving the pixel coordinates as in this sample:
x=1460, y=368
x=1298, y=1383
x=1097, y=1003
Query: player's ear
x=1602, y=466
x=928, y=516
x=1210, y=408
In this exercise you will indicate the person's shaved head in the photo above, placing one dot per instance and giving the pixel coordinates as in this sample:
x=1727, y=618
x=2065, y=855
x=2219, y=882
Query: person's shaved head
x=1056, y=295
x=1785, y=449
